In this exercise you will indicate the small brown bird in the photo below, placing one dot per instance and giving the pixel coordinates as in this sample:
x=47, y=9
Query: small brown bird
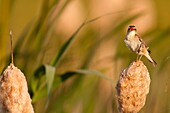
x=135, y=43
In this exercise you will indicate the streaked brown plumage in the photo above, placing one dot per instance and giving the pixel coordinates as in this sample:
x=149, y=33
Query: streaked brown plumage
x=135, y=43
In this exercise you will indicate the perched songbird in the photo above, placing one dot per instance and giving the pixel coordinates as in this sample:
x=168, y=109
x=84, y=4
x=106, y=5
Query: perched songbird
x=135, y=43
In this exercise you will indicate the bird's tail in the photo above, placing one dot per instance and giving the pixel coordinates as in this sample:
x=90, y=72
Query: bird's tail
x=150, y=59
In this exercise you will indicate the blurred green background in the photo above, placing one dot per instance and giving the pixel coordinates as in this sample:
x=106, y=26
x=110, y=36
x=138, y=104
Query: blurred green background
x=72, y=51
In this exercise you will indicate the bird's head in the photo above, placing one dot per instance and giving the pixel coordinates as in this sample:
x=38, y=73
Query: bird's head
x=131, y=28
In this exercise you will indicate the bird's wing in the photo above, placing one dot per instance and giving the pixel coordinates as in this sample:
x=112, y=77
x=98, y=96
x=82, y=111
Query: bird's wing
x=142, y=42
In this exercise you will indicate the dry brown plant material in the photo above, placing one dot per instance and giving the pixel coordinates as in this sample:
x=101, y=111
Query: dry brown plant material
x=14, y=96
x=133, y=87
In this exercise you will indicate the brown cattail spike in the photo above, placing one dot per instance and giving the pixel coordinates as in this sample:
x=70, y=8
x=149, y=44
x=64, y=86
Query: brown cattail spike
x=12, y=57
x=14, y=96
x=133, y=87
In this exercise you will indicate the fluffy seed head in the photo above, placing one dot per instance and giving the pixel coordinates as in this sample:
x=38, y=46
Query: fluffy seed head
x=132, y=88
x=14, y=96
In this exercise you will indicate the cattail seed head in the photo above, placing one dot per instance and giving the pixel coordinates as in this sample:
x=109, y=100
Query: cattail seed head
x=133, y=87
x=14, y=96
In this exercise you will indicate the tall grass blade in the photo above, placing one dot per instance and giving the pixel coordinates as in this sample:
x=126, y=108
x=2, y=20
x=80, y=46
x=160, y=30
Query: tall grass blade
x=94, y=72
x=67, y=43
x=85, y=72
x=44, y=75
x=65, y=46
x=49, y=73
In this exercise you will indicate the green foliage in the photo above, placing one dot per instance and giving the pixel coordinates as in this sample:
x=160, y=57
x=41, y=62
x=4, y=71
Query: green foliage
x=63, y=68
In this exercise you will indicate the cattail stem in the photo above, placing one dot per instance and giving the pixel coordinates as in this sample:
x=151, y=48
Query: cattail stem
x=12, y=57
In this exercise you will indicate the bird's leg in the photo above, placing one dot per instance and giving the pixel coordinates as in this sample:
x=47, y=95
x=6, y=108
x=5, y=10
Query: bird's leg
x=140, y=57
x=137, y=58
x=137, y=51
